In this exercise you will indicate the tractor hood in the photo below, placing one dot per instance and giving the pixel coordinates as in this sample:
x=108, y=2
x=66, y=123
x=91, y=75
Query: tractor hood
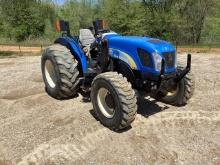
x=130, y=43
x=127, y=48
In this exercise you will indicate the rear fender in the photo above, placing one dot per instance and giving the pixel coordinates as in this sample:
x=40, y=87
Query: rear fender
x=76, y=51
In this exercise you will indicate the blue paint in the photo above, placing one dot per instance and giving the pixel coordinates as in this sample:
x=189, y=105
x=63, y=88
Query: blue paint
x=125, y=48
x=130, y=44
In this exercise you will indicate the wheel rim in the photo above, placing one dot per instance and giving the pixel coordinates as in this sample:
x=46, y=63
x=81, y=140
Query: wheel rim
x=106, y=102
x=50, y=74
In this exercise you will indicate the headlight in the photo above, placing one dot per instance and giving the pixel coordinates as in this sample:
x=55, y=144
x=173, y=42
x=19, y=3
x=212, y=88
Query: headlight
x=157, y=61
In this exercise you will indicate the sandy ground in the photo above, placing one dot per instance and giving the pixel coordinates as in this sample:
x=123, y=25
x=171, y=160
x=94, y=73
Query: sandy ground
x=37, y=129
x=20, y=48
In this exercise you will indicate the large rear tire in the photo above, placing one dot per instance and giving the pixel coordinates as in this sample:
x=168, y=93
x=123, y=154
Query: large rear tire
x=60, y=72
x=183, y=92
x=114, y=100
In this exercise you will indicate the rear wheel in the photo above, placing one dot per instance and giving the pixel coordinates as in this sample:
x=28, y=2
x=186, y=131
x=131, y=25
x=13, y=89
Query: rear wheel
x=113, y=100
x=182, y=92
x=60, y=72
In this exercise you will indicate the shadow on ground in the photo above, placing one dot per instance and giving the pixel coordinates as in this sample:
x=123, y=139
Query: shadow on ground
x=146, y=108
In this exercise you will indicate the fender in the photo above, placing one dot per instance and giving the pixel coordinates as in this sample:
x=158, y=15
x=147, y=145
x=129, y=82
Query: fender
x=125, y=70
x=76, y=51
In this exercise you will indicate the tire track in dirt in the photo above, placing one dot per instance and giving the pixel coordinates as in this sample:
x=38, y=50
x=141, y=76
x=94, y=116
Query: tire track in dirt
x=168, y=128
x=173, y=118
x=85, y=142
x=180, y=115
x=17, y=94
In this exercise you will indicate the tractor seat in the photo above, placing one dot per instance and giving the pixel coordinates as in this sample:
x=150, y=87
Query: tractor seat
x=86, y=37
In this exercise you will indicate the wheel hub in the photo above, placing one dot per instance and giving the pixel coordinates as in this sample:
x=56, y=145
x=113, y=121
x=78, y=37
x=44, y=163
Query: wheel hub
x=109, y=101
x=106, y=102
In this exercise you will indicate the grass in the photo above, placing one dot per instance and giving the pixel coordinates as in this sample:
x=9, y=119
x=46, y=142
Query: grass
x=202, y=46
x=199, y=48
x=29, y=42
x=43, y=41
x=6, y=53
x=15, y=54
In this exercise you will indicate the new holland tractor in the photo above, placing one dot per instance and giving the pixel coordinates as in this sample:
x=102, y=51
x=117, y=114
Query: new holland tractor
x=111, y=69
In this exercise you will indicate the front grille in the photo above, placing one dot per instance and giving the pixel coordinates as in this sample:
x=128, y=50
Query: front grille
x=169, y=59
x=144, y=57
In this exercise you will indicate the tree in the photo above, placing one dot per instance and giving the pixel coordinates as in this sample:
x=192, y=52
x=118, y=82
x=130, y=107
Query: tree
x=183, y=19
x=80, y=14
x=180, y=21
x=25, y=18
x=195, y=12
x=126, y=17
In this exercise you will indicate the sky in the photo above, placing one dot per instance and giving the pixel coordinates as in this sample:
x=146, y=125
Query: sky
x=62, y=1
x=59, y=1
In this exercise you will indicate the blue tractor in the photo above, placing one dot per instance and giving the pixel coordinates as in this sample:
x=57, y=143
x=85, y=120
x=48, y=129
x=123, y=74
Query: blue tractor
x=112, y=69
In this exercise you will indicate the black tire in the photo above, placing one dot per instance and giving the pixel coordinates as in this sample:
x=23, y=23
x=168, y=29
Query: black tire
x=123, y=96
x=63, y=70
x=185, y=90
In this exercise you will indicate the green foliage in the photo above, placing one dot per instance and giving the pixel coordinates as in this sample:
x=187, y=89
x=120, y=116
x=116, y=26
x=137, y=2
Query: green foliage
x=79, y=14
x=23, y=18
x=124, y=17
x=211, y=30
x=6, y=53
x=180, y=21
x=172, y=18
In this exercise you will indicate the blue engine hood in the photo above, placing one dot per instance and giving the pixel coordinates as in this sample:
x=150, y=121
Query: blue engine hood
x=146, y=43
x=125, y=47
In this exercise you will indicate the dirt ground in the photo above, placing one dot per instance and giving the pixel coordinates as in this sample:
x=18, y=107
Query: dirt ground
x=22, y=49
x=37, y=129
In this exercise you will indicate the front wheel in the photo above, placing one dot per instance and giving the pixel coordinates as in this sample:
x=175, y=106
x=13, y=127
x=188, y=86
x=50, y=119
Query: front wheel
x=183, y=91
x=113, y=100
